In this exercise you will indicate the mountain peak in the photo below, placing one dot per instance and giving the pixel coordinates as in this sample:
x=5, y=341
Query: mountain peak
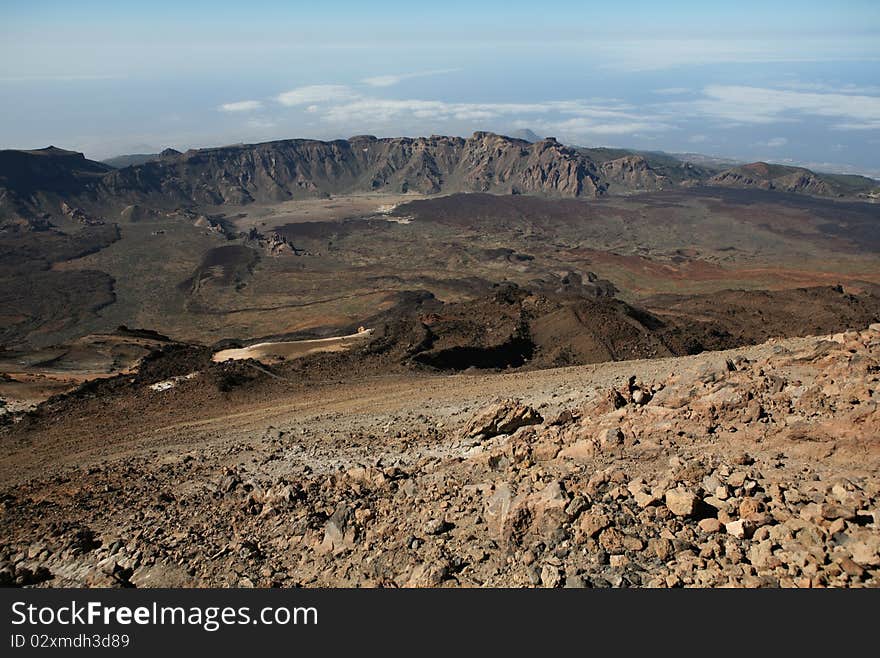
x=526, y=135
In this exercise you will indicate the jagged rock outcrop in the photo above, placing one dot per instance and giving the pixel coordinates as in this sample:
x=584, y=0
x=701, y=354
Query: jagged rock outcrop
x=79, y=215
x=633, y=173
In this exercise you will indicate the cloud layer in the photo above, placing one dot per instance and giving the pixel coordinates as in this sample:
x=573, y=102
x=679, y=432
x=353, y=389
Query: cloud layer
x=312, y=94
x=762, y=105
x=343, y=104
x=717, y=111
x=241, y=106
x=345, y=107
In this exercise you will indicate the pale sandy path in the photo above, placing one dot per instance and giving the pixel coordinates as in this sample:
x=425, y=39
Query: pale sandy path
x=285, y=350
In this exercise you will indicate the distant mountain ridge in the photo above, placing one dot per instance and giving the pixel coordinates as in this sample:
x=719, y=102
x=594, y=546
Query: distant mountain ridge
x=275, y=171
x=526, y=135
x=134, y=159
x=34, y=182
x=786, y=178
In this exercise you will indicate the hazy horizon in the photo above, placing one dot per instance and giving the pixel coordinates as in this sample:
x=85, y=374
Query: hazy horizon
x=746, y=83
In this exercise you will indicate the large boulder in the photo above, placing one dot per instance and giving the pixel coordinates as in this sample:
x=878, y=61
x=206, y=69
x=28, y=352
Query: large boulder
x=503, y=417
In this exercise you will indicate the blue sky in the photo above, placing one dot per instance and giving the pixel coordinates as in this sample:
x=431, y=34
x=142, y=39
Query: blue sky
x=780, y=81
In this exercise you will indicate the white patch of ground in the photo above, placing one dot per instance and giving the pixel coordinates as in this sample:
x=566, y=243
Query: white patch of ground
x=285, y=350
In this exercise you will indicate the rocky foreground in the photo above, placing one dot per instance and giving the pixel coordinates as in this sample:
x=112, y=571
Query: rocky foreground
x=756, y=468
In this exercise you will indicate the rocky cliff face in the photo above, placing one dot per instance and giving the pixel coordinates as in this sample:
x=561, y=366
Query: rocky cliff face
x=31, y=181
x=276, y=171
x=35, y=183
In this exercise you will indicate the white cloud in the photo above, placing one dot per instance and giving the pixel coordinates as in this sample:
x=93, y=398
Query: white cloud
x=379, y=110
x=697, y=139
x=383, y=80
x=474, y=115
x=312, y=94
x=393, y=79
x=344, y=109
x=823, y=87
x=760, y=105
x=574, y=117
x=859, y=125
x=241, y=106
x=581, y=126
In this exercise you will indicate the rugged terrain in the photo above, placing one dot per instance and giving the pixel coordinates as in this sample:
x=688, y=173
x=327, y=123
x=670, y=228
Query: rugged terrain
x=35, y=182
x=246, y=272
x=308, y=239
x=457, y=362
x=755, y=467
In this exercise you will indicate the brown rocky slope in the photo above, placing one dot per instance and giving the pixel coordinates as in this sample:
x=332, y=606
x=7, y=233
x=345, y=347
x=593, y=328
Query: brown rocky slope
x=756, y=467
